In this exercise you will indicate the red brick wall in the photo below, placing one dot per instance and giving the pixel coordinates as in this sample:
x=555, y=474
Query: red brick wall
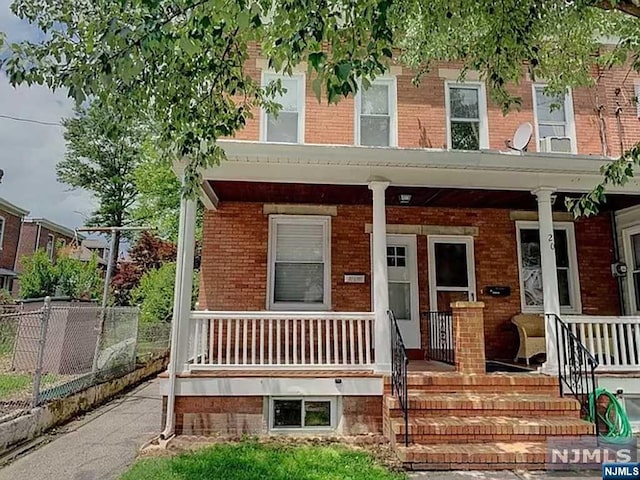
x=9, y=246
x=361, y=415
x=29, y=243
x=422, y=115
x=234, y=262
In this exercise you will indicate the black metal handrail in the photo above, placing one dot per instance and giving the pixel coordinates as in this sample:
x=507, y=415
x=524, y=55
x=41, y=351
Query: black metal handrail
x=399, y=364
x=441, y=338
x=576, y=367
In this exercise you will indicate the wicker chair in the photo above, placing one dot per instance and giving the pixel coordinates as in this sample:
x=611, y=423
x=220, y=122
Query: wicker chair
x=531, y=331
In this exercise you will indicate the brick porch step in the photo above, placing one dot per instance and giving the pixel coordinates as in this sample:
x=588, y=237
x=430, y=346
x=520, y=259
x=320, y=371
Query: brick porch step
x=427, y=404
x=474, y=456
x=454, y=382
x=451, y=429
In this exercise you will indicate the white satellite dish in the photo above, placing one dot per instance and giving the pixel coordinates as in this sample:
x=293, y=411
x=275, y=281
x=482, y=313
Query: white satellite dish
x=522, y=137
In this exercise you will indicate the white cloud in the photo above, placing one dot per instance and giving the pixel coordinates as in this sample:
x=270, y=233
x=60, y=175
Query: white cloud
x=29, y=152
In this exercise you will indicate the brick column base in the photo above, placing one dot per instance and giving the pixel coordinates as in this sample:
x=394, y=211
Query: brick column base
x=468, y=328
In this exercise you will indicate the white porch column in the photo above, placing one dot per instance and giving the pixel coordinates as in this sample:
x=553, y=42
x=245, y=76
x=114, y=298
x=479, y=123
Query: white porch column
x=184, y=284
x=380, y=278
x=549, y=275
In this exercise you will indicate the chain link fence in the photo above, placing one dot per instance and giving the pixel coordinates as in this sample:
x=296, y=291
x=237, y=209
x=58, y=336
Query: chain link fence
x=50, y=351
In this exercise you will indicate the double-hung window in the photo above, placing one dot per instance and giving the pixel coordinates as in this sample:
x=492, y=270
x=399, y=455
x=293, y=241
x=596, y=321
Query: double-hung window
x=554, y=121
x=376, y=114
x=530, y=264
x=299, y=262
x=50, y=245
x=466, y=116
x=288, y=125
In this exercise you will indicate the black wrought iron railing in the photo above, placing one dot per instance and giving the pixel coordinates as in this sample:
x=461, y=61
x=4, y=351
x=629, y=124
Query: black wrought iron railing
x=576, y=368
x=441, y=339
x=399, y=365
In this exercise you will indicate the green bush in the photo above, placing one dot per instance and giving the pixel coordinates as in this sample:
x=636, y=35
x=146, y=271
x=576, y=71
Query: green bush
x=68, y=277
x=155, y=293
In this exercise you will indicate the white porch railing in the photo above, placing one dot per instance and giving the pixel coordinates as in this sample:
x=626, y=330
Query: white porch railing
x=285, y=340
x=613, y=341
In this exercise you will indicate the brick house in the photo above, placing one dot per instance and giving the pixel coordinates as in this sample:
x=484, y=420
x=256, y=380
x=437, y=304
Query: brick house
x=11, y=217
x=41, y=234
x=407, y=199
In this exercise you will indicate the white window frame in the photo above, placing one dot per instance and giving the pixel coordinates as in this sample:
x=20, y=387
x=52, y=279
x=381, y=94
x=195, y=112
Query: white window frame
x=333, y=406
x=392, y=83
x=50, y=253
x=627, y=233
x=570, y=121
x=574, y=275
x=4, y=222
x=274, y=220
x=268, y=76
x=482, y=110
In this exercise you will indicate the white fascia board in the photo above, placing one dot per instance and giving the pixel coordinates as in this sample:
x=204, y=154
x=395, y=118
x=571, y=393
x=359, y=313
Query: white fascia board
x=267, y=386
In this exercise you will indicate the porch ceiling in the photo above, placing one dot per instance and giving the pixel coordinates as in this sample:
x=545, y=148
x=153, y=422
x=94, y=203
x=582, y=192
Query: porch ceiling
x=271, y=192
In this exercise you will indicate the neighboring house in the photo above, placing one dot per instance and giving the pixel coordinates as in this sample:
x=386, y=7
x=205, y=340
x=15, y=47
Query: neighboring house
x=406, y=199
x=88, y=249
x=42, y=234
x=11, y=218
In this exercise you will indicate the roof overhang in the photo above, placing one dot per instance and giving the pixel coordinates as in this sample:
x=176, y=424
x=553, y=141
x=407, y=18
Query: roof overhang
x=48, y=224
x=354, y=165
x=13, y=209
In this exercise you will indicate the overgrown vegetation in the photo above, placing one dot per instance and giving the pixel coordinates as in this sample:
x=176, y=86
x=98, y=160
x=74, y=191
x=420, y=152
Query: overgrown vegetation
x=254, y=461
x=67, y=277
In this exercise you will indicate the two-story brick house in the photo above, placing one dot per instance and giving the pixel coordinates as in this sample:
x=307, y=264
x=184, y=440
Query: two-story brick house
x=402, y=199
x=11, y=217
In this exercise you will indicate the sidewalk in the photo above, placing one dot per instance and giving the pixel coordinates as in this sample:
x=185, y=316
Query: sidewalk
x=98, y=446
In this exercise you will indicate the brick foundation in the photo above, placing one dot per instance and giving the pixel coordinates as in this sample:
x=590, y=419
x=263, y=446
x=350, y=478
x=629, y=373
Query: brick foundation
x=361, y=415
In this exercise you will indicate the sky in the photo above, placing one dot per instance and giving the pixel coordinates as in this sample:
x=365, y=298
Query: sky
x=29, y=151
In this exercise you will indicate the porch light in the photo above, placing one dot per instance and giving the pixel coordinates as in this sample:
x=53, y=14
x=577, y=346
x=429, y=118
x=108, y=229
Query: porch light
x=405, y=198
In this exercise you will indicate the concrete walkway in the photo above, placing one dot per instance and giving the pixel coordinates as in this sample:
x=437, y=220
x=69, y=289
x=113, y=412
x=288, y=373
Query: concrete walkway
x=98, y=446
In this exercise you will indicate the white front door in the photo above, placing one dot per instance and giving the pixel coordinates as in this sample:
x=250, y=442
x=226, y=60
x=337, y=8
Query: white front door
x=402, y=267
x=631, y=239
x=451, y=271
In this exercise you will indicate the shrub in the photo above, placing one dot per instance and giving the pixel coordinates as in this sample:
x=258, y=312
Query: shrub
x=39, y=277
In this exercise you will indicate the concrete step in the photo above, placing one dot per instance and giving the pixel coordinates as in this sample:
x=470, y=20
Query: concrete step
x=474, y=456
x=451, y=429
x=454, y=382
x=427, y=404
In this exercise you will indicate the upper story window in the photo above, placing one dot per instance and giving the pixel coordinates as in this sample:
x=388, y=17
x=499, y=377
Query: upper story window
x=554, y=122
x=530, y=263
x=50, y=245
x=2, y=224
x=299, y=262
x=466, y=116
x=288, y=125
x=376, y=114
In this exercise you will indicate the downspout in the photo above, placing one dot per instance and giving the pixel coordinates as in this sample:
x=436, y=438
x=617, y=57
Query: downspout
x=616, y=255
x=169, y=428
x=35, y=248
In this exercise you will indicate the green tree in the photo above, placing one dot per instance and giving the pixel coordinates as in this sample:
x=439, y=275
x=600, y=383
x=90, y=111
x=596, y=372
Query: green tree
x=181, y=62
x=103, y=150
x=39, y=277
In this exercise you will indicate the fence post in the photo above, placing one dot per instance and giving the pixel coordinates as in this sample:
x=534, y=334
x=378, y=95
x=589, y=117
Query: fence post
x=42, y=338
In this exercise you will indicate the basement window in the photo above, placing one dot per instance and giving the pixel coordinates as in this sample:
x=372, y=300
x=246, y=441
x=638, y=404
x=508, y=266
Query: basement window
x=302, y=413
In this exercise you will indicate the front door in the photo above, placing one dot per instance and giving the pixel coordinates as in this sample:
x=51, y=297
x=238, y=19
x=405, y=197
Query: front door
x=402, y=268
x=451, y=271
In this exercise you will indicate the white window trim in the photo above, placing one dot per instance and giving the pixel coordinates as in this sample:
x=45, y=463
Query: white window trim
x=4, y=222
x=271, y=271
x=482, y=110
x=333, y=407
x=300, y=78
x=391, y=81
x=568, y=110
x=53, y=245
x=574, y=275
x=627, y=233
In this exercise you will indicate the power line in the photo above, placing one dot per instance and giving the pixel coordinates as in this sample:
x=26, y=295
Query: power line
x=30, y=120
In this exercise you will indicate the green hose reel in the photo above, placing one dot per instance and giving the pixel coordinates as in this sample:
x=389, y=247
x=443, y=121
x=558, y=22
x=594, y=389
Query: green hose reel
x=614, y=417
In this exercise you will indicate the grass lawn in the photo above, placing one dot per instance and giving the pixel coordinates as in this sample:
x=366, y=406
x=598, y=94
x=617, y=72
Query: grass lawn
x=11, y=383
x=253, y=461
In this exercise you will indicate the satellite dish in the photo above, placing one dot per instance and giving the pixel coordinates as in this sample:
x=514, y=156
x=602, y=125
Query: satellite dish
x=522, y=137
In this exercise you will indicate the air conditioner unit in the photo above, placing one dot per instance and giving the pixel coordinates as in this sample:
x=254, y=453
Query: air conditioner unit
x=556, y=144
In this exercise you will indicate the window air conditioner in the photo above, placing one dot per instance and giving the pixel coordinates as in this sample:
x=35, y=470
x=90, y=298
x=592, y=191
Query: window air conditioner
x=556, y=144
